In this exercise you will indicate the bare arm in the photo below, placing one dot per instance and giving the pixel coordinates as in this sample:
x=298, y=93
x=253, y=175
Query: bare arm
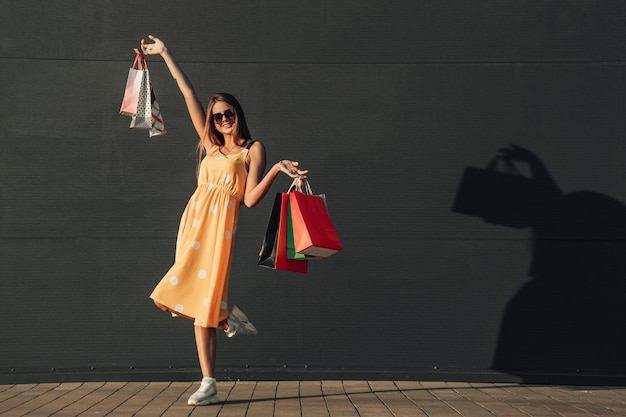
x=257, y=184
x=196, y=111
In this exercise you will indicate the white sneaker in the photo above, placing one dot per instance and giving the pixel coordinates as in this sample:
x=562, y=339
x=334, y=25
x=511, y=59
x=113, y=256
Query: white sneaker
x=238, y=322
x=206, y=394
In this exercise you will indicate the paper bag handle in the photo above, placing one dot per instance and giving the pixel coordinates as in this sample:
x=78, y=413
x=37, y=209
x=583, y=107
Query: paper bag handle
x=300, y=184
x=140, y=61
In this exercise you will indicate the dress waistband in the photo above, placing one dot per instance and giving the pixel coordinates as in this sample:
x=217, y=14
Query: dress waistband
x=210, y=186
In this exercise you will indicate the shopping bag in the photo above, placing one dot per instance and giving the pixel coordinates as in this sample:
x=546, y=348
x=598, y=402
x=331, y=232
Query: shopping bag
x=155, y=122
x=158, y=125
x=134, y=82
x=140, y=101
x=313, y=231
x=291, y=246
x=273, y=253
x=267, y=255
x=142, y=119
x=501, y=194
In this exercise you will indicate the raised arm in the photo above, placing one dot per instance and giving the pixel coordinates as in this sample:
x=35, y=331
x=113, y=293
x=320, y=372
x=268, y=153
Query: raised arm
x=196, y=111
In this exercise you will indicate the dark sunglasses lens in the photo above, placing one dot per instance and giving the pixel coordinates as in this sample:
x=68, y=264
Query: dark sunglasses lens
x=228, y=115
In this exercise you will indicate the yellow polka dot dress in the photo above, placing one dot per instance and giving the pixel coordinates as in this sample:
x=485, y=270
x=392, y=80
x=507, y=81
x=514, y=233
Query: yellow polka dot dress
x=196, y=286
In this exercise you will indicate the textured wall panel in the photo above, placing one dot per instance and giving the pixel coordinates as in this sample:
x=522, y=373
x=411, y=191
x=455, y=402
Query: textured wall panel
x=386, y=105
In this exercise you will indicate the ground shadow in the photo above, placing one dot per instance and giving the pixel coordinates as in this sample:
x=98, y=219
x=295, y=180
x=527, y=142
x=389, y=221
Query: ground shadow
x=343, y=393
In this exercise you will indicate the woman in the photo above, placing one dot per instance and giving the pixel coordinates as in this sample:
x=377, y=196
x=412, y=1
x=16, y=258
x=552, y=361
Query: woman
x=231, y=171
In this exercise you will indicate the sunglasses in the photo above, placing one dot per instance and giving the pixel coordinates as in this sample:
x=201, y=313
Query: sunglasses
x=219, y=117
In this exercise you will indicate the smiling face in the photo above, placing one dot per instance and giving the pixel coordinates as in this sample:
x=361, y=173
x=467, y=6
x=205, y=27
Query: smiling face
x=224, y=118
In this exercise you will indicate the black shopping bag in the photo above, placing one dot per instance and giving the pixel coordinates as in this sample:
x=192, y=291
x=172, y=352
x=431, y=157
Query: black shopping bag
x=267, y=255
x=273, y=252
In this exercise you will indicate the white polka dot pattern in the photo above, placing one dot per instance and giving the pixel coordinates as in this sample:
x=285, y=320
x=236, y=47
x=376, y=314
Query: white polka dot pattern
x=197, y=283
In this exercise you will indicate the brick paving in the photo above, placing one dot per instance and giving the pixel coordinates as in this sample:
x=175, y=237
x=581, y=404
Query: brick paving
x=313, y=399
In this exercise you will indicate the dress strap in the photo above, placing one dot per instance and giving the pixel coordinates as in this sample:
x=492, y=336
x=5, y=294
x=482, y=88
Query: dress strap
x=246, y=161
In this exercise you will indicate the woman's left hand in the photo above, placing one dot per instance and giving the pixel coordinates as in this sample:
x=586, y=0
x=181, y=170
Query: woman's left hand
x=291, y=168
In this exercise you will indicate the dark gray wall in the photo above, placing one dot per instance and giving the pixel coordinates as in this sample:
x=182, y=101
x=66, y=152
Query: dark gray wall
x=386, y=103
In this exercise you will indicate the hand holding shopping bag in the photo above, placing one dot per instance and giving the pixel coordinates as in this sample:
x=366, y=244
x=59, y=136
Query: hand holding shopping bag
x=140, y=101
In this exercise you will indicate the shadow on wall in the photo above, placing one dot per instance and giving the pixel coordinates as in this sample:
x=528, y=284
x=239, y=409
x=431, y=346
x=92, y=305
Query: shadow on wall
x=570, y=317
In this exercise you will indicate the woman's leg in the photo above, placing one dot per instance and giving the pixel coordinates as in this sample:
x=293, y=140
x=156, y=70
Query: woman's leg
x=206, y=342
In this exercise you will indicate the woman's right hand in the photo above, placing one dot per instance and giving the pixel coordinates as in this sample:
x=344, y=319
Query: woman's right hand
x=157, y=47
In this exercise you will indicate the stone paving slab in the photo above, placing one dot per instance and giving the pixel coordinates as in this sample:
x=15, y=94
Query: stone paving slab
x=313, y=399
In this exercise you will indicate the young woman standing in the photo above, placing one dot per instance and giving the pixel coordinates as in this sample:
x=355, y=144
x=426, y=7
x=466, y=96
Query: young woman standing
x=231, y=172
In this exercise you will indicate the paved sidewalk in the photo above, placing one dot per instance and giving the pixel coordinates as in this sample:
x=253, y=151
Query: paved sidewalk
x=313, y=399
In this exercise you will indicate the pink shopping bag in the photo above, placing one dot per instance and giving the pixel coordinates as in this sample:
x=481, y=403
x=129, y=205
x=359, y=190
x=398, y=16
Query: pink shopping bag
x=136, y=74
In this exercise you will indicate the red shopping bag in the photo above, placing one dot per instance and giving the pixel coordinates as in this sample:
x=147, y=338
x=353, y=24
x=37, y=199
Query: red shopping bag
x=274, y=248
x=135, y=79
x=313, y=231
